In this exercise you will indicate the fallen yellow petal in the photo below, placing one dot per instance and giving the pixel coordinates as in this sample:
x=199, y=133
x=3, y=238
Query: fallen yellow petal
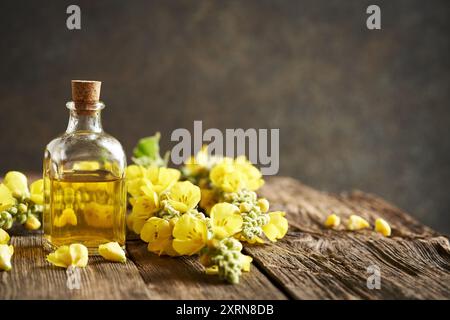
x=381, y=226
x=332, y=221
x=65, y=256
x=4, y=237
x=112, y=251
x=32, y=223
x=357, y=223
x=6, y=253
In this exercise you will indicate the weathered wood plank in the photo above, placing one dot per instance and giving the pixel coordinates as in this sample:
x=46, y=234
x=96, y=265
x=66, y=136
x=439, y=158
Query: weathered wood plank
x=315, y=263
x=184, y=278
x=34, y=278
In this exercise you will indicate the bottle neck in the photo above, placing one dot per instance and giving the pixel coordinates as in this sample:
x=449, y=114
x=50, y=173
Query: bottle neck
x=84, y=120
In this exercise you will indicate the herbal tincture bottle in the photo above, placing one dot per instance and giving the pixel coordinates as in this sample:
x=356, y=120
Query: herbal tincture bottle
x=84, y=168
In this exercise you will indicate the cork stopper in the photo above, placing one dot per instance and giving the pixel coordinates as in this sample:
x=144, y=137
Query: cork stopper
x=85, y=92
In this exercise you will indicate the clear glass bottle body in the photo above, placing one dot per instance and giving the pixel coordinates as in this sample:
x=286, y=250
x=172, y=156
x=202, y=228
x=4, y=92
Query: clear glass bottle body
x=84, y=187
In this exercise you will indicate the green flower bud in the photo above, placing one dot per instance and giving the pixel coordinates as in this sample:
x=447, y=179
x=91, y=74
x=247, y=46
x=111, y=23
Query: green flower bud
x=23, y=208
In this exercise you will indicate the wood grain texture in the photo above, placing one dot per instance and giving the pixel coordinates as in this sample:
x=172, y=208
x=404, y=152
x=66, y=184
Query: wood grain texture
x=311, y=262
x=32, y=277
x=315, y=263
x=184, y=278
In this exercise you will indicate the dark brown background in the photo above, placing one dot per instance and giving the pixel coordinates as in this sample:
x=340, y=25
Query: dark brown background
x=356, y=108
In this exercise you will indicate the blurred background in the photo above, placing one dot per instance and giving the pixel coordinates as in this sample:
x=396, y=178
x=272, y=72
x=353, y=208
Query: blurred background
x=357, y=109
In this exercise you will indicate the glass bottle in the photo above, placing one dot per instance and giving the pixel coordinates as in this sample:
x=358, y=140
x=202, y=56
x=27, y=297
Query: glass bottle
x=84, y=171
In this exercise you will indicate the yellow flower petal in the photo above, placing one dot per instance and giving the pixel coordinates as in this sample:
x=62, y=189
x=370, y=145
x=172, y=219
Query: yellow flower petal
x=65, y=256
x=184, y=196
x=6, y=198
x=246, y=262
x=32, y=223
x=383, y=227
x=332, y=221
x=17, y=183
x=143, y=209
x=162, y=178
x=112, y=251
x=61, y=257
x=226, y=220
x=357, y=223
x=134, y=171
x=190, y=235
x=37, y=191
x=79, y=255
x=4, y=237
x=277, y=226
x=6, y=253
x=212, y=270
x=208, y=199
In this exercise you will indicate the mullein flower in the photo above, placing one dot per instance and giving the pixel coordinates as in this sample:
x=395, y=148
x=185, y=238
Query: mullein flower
x=6, y=198
x=224, y=258
x=277, y=226
x=75, y=255
x=6, y=253
x=18, y=184
x=4, y=237
x=225, y=220
x=112, y=251
x=190, y=234
x=16, y=201
x=157, y=232
x=183, y=196
x=233, y=175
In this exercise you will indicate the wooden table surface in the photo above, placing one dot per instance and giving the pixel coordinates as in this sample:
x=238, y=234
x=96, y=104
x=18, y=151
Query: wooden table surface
x=309, y=263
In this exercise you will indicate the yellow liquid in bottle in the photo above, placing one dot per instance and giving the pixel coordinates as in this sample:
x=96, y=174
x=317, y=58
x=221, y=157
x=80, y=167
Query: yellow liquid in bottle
x=86, y=207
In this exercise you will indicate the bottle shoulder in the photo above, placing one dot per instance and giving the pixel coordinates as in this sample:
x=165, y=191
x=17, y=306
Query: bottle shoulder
x=85, y=146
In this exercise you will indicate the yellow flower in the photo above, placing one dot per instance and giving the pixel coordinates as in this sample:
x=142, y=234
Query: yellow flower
x=162, y=178
x=157, y=233
x=68, y=216
x=6, y=253
x=357, y=223
x=17, y=183
x=75, y=255
x=208, y=199
x=253, y=176
x=133, y=172
x=332, y=221
x=184, y=196
x=4, y=237
x=32, y=222
x=158, y=179
x=144, y=207
x=201, y=162
x=383, y=227
x=112, y=251
x=37, y=192
x=233, y=175
x=277, y=226
x=6, y=198
x=226, y=220
x=246, y=262
x=225, y=177
x=190, y=234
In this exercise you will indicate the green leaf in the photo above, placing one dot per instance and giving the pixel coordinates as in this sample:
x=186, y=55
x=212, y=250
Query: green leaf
x=146, y=152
